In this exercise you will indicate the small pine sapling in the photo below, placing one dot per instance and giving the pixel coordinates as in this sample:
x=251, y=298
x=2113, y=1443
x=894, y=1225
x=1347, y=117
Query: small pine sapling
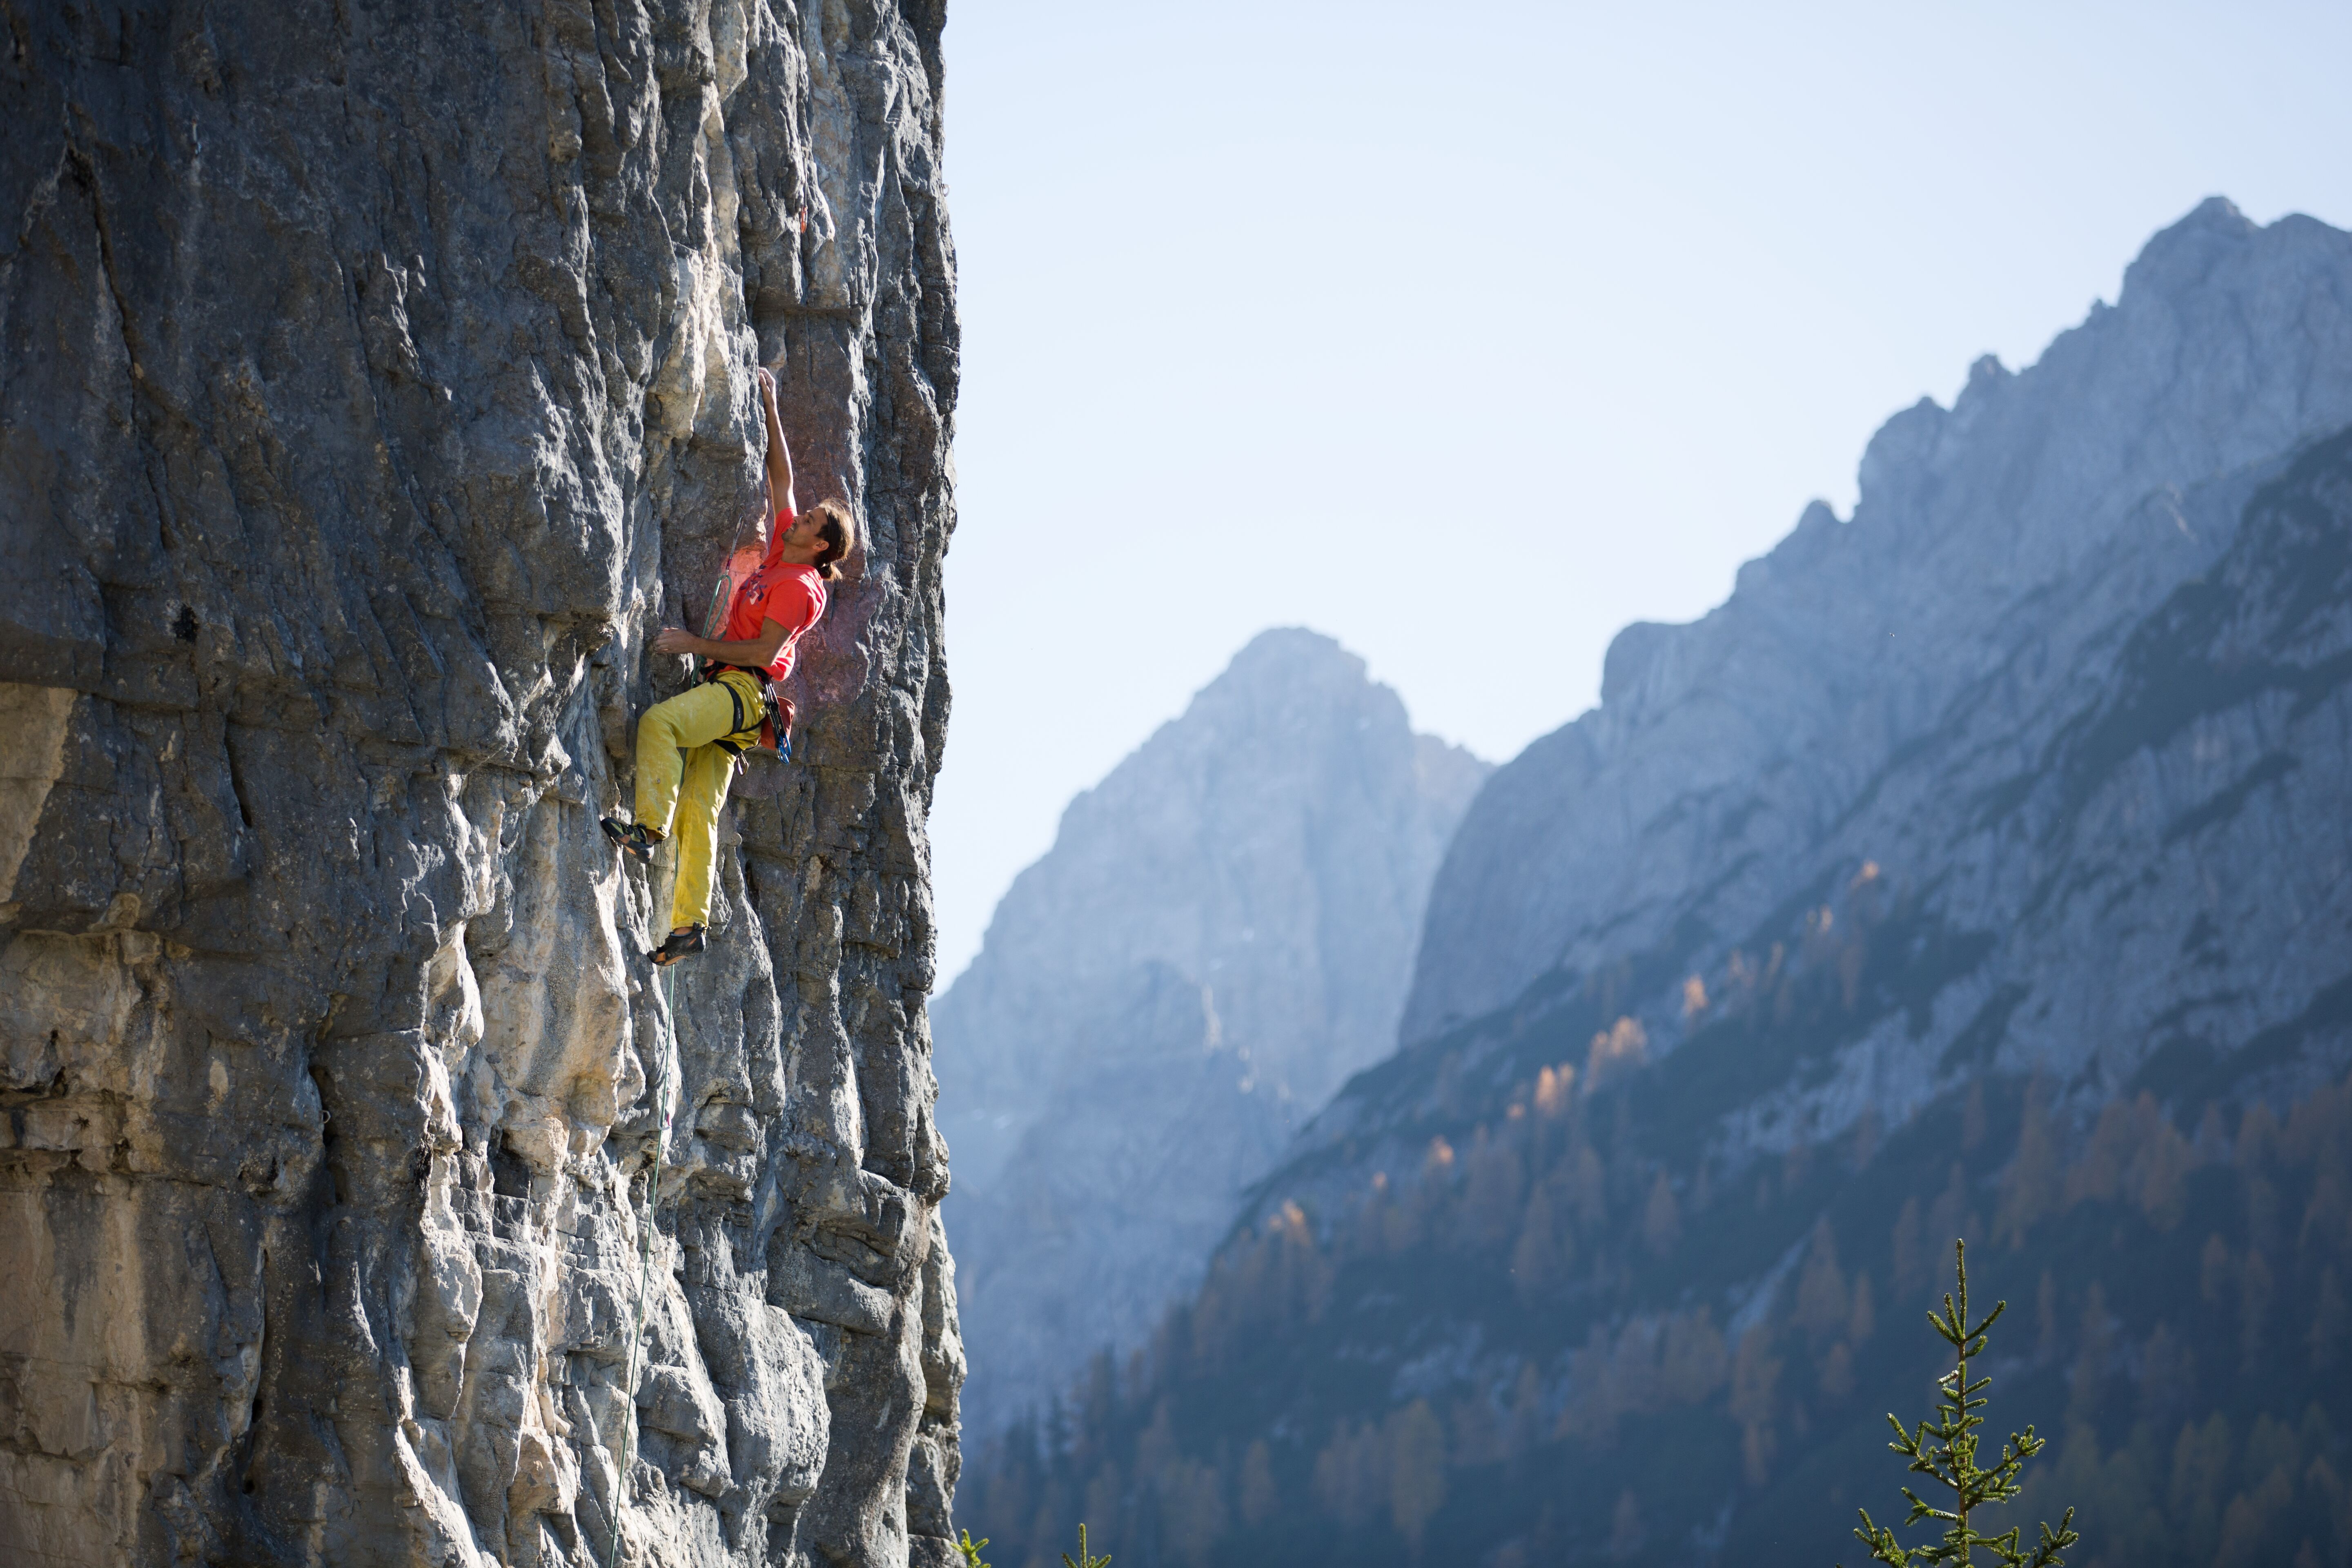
x=971, y=1550
x=1082, y=1559
x=1946, y=1452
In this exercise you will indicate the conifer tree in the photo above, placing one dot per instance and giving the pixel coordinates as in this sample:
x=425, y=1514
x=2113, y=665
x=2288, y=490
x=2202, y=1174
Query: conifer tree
x=1082, y=1559
x=1946, y=1452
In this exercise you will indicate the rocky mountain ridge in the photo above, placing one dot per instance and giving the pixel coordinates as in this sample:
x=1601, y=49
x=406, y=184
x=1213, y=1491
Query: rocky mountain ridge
x=376, y=382
x=1217, y=939
x=1740, y=738
x=1980, y=870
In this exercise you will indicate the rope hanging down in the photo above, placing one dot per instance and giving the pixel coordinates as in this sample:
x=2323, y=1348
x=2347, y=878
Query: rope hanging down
x=644, y=1264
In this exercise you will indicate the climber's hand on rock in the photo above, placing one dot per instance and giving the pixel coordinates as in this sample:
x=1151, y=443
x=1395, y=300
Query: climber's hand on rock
x=767, y=386
x=675, y=639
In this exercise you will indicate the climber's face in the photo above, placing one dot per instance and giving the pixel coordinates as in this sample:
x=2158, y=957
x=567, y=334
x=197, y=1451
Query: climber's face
x=803, y=533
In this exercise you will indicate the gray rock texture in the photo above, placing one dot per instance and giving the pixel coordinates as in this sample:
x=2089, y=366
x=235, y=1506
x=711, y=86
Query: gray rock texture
x=373, y=382
x=1217, y=939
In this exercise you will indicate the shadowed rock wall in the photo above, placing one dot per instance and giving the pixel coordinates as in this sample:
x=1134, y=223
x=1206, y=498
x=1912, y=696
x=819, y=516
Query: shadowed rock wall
x=373, y=382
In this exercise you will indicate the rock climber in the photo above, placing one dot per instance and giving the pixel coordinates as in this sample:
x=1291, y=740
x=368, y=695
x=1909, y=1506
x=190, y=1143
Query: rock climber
x=687, y=746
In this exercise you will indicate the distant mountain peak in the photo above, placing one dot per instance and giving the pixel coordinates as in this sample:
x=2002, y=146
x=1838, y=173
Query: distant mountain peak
x=2180, y=256
x=1280, y=647
x=2232, y=343
x=1218, y=938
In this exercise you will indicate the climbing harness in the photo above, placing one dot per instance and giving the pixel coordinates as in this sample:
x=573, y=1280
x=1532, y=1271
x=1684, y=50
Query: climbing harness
x=776, y=710
x=644, y=1267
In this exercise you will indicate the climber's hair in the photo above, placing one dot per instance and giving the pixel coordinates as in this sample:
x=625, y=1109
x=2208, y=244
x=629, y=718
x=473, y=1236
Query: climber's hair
x=838, y=532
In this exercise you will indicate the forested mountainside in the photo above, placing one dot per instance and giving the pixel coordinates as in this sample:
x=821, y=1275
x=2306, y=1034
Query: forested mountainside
x=1220, y=936
x=375, y=381
x=1979, y=869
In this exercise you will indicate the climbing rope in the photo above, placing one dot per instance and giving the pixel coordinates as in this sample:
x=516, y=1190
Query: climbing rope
x=644, y=1262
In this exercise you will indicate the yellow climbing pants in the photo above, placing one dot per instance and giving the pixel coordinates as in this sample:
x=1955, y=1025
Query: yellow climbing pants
x=682, y=772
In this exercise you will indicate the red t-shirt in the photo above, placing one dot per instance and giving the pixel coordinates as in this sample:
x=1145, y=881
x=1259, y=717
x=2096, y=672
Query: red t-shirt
x=787, y=593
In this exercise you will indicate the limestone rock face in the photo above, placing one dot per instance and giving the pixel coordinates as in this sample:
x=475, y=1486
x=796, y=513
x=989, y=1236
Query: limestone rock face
x=1219, y=936
x=374, y=381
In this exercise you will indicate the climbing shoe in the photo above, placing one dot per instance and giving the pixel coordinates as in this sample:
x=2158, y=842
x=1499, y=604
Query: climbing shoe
x=680, y=945
x=635, y=839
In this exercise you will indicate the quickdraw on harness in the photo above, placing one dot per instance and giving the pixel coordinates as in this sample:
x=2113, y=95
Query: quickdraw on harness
x=645, y=1265
x=776, y=712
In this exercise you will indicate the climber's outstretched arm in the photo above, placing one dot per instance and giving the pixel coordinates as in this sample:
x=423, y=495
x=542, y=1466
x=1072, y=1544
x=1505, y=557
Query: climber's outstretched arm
x=780, y=451
x=752, y=653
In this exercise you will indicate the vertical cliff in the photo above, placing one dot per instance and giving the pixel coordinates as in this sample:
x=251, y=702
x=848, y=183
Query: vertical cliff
x=373, y=382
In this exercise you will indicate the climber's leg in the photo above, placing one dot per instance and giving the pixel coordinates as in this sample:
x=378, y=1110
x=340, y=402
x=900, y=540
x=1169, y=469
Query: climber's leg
x=687, y=723
x=709, y=770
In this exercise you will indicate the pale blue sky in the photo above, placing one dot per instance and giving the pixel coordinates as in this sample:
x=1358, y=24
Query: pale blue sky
x=1470, y=332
